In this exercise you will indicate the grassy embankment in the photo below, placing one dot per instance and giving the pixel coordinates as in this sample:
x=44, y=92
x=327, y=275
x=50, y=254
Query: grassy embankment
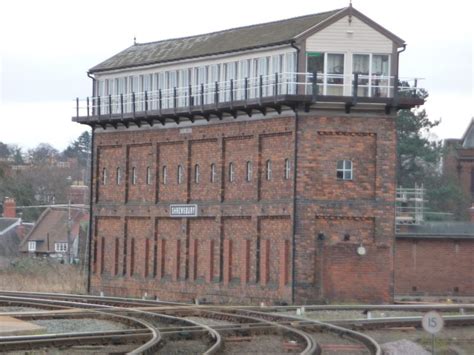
x=40, y=275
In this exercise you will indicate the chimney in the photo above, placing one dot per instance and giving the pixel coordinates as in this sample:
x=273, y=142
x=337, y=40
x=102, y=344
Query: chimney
x=471, y=212
x=9, y=208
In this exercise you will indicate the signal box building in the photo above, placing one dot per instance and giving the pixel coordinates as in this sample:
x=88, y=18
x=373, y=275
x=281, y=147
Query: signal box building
x=247, y=165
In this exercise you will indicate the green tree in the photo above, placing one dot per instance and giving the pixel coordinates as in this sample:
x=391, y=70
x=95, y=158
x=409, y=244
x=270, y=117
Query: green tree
x=418, y=155
x=419, y=160
x=80, y=149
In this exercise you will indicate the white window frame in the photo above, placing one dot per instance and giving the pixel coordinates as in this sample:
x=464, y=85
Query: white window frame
x=213, y=172
x=32, y=246
x=180, y=174
x=104, y=176
x=118, y=176
x=196, y=173
x=148, y=175
x=231, y=172
x=369, y=84
x=249, y=171
x=164, y=174
x=287, y=169
x=347, y=170
x=268, y=170
x=134, y=175
x=60, y=247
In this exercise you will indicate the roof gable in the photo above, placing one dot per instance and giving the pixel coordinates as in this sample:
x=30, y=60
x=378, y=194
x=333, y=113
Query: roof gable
x=468, y=137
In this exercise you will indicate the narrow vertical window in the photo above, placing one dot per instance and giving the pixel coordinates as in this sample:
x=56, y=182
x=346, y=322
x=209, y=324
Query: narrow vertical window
x=231, y=172
x=213, y=172
x=268, y=166
x=148, y=175
x=344, y=170
x=249, y=171
x=287, y=169
x=134, y=176
x=118, y=176
x=196, y=173
x=180, y=174
x=164, y=175
x=104, y=176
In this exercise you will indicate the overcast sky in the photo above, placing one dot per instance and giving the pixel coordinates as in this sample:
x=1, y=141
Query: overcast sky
x=46, y=48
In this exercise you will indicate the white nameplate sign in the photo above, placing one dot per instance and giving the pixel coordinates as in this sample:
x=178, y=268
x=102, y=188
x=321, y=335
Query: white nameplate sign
x=183, y=210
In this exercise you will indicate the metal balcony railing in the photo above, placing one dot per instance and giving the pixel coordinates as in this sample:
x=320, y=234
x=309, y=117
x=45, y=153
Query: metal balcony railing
x=317, y=86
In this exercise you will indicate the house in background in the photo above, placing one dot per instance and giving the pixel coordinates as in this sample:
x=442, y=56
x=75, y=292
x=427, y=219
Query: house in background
x=49, y=236
x=459, y=160
x=12, y=229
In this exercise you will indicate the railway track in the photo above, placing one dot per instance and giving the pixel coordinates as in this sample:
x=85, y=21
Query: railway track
x=166, y=327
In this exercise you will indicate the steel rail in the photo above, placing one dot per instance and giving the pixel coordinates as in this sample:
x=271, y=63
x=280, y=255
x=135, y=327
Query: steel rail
x=69, y=339
x=102, y=309
x=147, y=348
x=244, y=320
x=369, y=342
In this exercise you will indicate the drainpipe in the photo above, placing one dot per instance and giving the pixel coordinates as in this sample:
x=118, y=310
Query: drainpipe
x=293, y=239
x=404, y=47
x=91, y=196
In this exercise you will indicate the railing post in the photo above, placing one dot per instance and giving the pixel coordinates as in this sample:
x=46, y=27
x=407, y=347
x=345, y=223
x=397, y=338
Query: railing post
x=315, y=85
x=260, y=94
x=110, y=105
x=231, y=92
x=275, y=88
x=121, y=105
x=190, y=98
x=146, y=101
x=246, y=89
x=77, y=107
x=202, y=96
x=175, y=98
x=395, y=90
x=415, y=87
x=160, y=101
x=98, y=105
x=87, y=100
x=355, y=87
x=216, y=93
x=133, y=103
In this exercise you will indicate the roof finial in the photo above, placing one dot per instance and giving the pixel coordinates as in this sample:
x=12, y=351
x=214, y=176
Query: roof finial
x=134, y=39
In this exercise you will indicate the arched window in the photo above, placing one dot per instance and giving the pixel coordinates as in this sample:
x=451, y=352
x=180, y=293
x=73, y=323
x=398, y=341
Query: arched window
x=180, y=174
x=231, y=172
x=213, y=172
x=344, y=170
x=118, y=176
x=249, y=171
x=164, y=175
x=196, y=173
x=287, y=169
x=104, y=176
x=134, y=176
x=268, y=168
x=148, y=176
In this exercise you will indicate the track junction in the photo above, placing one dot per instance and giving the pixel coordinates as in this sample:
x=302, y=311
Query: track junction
x=150, y=327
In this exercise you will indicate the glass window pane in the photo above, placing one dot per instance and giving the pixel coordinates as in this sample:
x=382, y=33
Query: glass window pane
x=380, y=65
x=315, y=62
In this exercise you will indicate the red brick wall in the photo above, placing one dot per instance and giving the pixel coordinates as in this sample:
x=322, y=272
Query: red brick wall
x=449, y=264
x=240, y=246
x=140, y=159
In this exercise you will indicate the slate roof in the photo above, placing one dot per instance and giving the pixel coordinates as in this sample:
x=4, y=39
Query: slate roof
x=7, y=222
x=232, y=40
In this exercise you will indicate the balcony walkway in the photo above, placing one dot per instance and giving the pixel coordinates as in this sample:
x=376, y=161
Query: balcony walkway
x=234, y=98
